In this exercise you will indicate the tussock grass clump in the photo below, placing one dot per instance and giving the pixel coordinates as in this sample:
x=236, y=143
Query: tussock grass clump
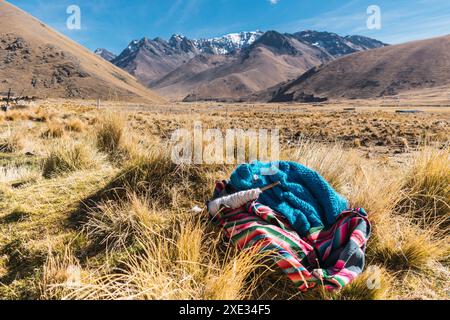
x=399, y=245
x=189, y=247
x=117, y=224
x=155, y=174
x=54, y=130
x=75, y=125
x=42, y=114
x=433, y=284
x=15, y=115
x=62, y=273
x=376, y=189
x=171, y=267
x=373, y=284
x=236, y=279
x=395, y=243
x=13, y=142
x=68, y=156
x=112, y=137
x=427, y=186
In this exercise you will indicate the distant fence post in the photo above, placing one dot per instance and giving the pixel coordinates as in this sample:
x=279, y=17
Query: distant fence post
x=9, y=96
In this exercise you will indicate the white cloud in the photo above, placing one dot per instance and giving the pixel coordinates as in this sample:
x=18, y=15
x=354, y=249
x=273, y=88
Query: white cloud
x=274, y=1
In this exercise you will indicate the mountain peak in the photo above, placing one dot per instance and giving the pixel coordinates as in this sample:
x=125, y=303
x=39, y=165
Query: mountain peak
x=176, y=38
x=229, y=43
x=336, y=45
x=105, y=54
x=279, y=42
x=365, y=42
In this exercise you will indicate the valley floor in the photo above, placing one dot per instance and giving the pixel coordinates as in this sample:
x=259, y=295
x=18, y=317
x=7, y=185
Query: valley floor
x=92, y=207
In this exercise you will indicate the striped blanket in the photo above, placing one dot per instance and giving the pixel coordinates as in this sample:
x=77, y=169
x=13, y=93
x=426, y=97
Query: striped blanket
x=331, y=257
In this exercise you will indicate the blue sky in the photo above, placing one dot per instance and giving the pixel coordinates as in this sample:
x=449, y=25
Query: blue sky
x=112, y=24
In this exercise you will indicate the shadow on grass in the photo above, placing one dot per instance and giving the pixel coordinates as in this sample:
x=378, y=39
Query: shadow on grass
x=16, y=216
x=22, y=262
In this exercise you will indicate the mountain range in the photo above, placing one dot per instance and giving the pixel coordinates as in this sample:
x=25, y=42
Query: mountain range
x=105, y=54
x=233, y=66
x=306, y=66
x=387, y=71
x=35, y=60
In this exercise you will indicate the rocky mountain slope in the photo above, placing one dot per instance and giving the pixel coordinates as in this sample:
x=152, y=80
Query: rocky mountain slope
x=150, y=60
x=35, y=60
x=105, y=54
x=272, y=58
x=232, y=66
x=381, y=72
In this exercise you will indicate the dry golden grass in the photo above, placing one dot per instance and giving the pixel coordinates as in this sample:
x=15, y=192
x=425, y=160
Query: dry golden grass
x=427, y=186
x=75, y=125
x=377, y=131
x=116, y=224
x=41, y=114
x=399, y=245
x=53, y=130
x=12, y=142
x=12, y=173
x=67, y=156
x=61, y=274
x=166, y=255
x=130, y=213
x=114, y=138
x=153, y=173
x=110, y=134
x=333, y=162
x=373, y=284
x=15, y=115
x=184, y=265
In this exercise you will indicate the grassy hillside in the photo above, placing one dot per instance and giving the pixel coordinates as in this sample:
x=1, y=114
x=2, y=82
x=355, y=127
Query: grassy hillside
x=39, y=61
x=91, y=205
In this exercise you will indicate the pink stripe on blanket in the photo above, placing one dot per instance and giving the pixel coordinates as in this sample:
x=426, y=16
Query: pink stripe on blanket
x=358, y=237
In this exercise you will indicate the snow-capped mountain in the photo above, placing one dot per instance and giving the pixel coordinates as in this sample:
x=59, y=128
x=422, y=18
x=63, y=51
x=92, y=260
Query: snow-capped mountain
x=105, y=54
x=228, y=43
x=242, y=62
x=336, y=45
x=220, y=45
x=148, y=59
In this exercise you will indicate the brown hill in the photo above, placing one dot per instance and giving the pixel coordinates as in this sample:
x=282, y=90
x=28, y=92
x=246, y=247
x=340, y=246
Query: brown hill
x=151, y=59
x=35, y=60
x=380, y=72
x=183, y=80
x=270, y=60
x=273, y=58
